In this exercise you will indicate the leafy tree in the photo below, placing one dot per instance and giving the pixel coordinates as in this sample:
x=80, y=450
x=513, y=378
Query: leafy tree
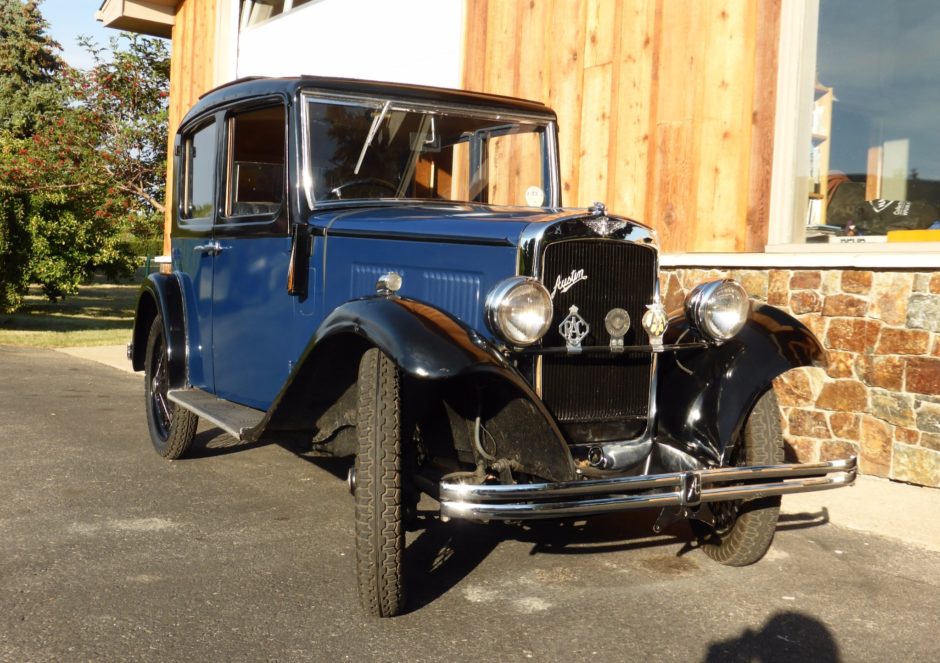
x=86, y=174
x=30, y=90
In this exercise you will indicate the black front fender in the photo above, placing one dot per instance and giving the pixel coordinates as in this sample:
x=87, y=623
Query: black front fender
x=426, y=344
x=161, y=294
x=704, y=395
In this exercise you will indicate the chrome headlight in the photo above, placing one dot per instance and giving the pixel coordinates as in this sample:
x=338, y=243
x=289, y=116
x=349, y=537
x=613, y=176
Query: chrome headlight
x=519, y=310
x=718, y=309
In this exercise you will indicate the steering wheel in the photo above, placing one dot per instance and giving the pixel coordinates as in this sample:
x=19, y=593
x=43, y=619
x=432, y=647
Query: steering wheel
x=337, y=191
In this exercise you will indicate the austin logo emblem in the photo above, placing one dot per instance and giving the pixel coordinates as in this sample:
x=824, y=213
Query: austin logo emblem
x=573, y=329
x=565, y=284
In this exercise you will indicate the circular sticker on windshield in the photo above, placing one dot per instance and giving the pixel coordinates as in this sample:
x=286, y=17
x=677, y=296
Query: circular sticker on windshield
x=534, y=196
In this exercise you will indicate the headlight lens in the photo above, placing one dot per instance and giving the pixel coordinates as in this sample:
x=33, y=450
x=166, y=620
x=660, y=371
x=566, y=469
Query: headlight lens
x=718, y=309
x=519, y=310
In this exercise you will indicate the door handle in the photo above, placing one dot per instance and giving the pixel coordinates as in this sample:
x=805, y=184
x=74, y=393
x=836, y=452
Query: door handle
x=210, y=248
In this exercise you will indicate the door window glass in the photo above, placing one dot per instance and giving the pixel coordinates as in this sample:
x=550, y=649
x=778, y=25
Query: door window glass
x=256, y=163
x=198, y=174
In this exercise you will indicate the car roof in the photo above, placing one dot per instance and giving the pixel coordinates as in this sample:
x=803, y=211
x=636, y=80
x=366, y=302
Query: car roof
x=247, y=88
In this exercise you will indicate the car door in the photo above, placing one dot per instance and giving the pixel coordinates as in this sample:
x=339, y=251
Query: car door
x=251, y=309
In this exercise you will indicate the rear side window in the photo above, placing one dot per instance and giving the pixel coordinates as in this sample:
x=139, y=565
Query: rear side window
x=198, y=185
x=257, y=159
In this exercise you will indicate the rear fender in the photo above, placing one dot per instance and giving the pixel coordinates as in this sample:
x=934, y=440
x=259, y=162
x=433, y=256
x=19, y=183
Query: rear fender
x=161, y=294
x=705, y=395
x=428, y=345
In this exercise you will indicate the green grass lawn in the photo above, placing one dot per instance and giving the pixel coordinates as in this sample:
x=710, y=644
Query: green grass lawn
x=100, y=314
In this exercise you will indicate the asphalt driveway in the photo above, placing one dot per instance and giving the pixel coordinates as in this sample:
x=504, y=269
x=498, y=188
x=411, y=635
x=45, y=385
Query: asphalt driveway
x=108, y=552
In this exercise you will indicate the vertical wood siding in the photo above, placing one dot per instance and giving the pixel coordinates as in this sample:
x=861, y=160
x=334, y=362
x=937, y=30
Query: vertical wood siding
x=665, y=106
x=192, y=68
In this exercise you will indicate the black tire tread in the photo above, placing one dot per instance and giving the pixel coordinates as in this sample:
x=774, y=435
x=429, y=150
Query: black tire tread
x=752, y=533
x=378, y=495
x=183, y=425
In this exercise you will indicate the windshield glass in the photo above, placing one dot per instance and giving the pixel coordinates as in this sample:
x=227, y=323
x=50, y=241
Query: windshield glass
x=374, y=149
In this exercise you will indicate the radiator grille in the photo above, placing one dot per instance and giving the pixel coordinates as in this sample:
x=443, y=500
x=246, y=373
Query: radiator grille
x=599, y=387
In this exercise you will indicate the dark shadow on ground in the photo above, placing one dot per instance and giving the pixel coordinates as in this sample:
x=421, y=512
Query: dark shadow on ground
x=212, y=442
x=787, y=636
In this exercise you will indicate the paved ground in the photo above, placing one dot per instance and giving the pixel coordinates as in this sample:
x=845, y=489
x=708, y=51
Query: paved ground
x=107, y=552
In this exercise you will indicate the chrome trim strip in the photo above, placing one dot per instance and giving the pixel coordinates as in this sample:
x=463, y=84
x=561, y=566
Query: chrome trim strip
x=547, y=500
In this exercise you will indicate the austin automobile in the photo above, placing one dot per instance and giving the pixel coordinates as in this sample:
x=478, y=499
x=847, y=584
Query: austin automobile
x=386, y=272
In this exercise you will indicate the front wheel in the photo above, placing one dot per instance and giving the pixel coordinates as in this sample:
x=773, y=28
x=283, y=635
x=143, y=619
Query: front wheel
x=172, y=428
x=380, y=536
x=744, y=530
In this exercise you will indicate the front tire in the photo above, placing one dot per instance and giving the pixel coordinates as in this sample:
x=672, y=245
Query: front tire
x=172, y=428
x=380, y=537
x=745, y=530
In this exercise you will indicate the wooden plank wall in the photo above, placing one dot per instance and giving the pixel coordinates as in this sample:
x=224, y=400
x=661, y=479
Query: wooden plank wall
x=665, y=106
x=192, y=68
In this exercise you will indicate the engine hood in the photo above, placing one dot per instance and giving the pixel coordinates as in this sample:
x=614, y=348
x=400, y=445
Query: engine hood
x=458, y=222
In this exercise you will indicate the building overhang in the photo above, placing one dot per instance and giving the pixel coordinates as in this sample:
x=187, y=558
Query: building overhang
x=146, y=17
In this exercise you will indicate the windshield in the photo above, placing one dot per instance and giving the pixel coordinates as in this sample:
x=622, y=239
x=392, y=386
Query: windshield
x=377, y=149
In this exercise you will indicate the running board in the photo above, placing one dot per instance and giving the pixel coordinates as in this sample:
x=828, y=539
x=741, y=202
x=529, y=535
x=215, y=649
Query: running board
x=234, y=419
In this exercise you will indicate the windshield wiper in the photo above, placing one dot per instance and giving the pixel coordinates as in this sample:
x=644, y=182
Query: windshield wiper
x=372, y=131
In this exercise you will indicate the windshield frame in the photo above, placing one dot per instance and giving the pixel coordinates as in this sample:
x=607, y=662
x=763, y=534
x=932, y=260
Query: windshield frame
x=377, y=102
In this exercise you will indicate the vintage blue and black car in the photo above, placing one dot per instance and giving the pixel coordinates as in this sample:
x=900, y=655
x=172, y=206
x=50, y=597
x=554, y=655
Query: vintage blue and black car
x=386, y=272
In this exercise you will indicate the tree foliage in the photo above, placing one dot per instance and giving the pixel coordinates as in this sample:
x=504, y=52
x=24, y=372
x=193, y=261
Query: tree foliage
x=83, y=173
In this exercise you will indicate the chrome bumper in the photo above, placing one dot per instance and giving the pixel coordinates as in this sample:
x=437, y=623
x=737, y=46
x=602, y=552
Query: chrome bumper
x=595, y=496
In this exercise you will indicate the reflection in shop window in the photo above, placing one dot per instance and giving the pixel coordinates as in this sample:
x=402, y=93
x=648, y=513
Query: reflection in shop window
x=875, y=157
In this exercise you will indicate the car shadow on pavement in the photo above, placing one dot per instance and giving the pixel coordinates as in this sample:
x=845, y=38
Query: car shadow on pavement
x=787, y=636
x=211, y=441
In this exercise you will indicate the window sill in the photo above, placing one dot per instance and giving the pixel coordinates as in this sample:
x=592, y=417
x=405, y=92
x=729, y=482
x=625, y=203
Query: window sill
x=920, y=255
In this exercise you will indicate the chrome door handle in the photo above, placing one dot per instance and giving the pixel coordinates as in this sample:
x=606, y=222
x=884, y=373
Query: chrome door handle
x=210, y=248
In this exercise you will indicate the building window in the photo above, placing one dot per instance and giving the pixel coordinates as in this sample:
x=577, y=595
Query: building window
x=256, y=11
x=867, y=161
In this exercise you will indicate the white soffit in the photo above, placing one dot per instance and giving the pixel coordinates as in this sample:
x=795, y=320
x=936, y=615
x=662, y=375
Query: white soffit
x=146, y=17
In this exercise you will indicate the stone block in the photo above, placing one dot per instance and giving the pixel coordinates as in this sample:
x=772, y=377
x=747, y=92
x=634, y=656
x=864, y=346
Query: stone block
x=673, y=295
x=890, y=292
x=885, y=372
x=936, y=346
x=831, y=282
x=808, y=423
x=897, y=409
x=916, y=465
x=906, y=435
x=801, y=450
x=755, y=282
x=816, y=323
x=844, y=424
x=778, y=287
x=930, y=441
x=903, y=341
x=845, y=305
x=922, y=282
x=805, y=301
x=852, y=334
x=875, y=447
x=856, y=281
x=837, y=449
x=923, y=312
x=934, y=286
x=843, y=395
x=923, y=375
x=928, y=417
x=799, y=387
x=805, y=280
x=841, y=364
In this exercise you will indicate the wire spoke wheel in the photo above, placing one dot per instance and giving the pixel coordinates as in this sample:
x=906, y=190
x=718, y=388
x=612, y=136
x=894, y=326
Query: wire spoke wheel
x=172, y=428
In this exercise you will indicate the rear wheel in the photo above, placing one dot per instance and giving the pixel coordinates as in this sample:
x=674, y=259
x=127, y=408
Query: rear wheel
x=172, y=428
x=380, y=539
x=744, y=530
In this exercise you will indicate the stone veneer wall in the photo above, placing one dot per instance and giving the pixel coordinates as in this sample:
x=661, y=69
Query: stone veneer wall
x=880, y=395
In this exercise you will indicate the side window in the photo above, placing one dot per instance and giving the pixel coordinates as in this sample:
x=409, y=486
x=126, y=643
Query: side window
x=257, y=161
x=198, y=185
